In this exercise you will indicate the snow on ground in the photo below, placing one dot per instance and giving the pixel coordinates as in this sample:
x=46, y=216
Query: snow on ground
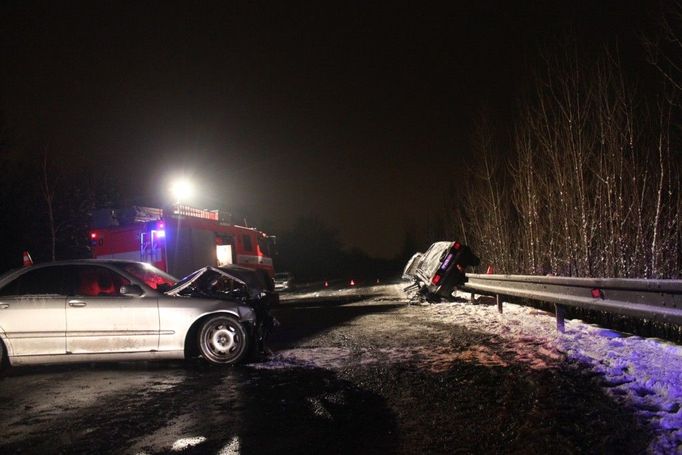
x=377, y=290
x=644, y=373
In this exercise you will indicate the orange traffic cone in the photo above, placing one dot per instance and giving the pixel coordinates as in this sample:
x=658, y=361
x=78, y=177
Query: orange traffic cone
x=27, y=259
x=490, y=270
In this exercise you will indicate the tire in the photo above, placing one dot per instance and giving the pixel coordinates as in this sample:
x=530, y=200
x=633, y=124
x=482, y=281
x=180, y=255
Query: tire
x=222, y=340
x=4, y=361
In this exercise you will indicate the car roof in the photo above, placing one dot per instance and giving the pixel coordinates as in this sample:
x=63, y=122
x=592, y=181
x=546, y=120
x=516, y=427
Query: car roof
x=84, y=261
x=110, y=262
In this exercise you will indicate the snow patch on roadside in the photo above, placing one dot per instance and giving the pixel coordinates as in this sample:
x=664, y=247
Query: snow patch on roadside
x=434, y=359
x=391, y=290
x=645, y=373
x=327, y=358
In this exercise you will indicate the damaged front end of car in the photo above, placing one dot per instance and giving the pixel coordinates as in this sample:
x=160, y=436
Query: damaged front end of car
x=244, y=287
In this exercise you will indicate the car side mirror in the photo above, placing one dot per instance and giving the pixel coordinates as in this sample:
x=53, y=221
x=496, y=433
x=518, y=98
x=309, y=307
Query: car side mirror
x=131, y=290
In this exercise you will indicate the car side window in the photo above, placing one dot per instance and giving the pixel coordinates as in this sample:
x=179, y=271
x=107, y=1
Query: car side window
x=95, y=281
x=45, y=280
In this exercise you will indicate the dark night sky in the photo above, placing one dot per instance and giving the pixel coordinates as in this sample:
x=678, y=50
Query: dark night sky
x=358, y=114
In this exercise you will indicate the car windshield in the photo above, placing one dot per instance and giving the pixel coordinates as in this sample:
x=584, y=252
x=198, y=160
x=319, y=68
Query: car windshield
x=281, y=276
x=149, y=274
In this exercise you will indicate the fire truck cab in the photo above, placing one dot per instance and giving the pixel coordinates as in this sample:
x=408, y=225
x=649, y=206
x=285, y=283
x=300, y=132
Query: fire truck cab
x=179, y=240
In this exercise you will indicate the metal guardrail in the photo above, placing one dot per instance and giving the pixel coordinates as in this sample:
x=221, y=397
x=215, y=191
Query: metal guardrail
x=658, y=300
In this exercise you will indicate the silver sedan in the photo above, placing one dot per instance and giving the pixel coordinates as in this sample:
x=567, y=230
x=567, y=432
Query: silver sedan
x=111, y=310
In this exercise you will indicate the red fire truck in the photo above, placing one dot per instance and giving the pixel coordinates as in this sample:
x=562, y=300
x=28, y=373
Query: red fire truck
x=179, y=240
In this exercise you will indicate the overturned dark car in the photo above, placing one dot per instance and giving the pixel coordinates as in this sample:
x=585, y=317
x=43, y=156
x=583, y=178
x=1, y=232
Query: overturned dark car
x=438, y=271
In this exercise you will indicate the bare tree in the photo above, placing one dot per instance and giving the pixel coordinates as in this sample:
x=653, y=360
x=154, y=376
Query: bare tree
x=595, y=188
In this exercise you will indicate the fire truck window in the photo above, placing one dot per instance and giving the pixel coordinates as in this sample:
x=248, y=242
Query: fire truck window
x=248, y=246
x=99, y=282
x=263, y=246
x=46, y=280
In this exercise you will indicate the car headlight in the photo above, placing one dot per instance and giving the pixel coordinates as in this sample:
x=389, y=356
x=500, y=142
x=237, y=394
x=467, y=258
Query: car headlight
x=246, y=313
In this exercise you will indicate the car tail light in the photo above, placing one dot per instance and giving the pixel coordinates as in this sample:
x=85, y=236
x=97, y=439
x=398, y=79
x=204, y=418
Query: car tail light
x=457, y=245
x=435, y=279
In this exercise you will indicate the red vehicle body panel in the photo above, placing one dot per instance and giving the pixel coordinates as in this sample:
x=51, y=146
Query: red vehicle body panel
x=184, y=240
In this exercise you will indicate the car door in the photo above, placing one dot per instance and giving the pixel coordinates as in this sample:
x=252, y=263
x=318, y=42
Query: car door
x=101, y=320
x=32, y=312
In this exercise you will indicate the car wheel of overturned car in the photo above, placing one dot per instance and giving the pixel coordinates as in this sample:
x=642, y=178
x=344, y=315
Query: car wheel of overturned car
x=222, y=340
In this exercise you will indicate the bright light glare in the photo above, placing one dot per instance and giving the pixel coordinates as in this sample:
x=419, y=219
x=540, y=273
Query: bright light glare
x=184, y=443
x=182, y=190
x=223, y=254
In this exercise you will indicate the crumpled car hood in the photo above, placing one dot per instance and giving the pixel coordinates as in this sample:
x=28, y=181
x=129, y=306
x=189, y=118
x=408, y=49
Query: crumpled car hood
x=199, y=277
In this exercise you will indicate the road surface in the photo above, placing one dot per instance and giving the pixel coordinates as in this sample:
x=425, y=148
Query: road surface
x=351, y=372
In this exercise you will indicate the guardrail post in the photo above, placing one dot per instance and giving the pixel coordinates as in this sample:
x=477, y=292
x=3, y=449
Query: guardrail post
x=499, y=303
x=560, y=316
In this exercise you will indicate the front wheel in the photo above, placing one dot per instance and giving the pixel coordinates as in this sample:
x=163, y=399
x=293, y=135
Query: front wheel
x=223, y=340
x=4, y=361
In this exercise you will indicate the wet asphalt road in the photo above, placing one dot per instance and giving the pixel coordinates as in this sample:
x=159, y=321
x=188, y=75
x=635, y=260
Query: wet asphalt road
x=330, y=400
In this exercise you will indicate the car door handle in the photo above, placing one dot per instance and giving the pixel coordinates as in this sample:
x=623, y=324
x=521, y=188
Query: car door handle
x=77, y=303
x=4, y=306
